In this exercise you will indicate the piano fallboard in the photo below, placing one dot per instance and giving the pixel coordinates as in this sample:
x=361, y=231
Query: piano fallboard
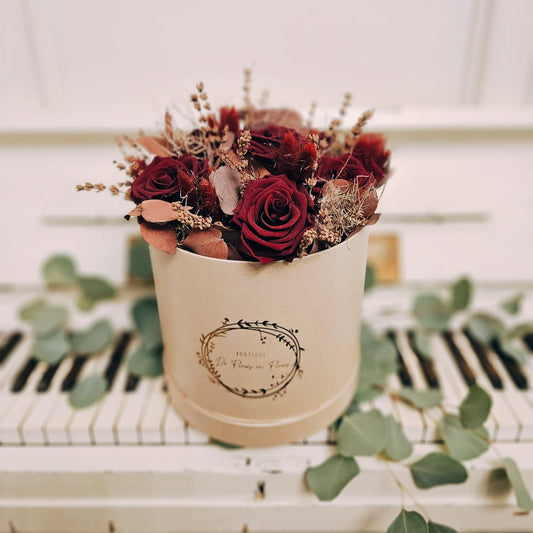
x=130, y=463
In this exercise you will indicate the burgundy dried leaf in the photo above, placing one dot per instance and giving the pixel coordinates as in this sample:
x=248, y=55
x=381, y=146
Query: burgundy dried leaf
x=370, y=203
x=226, y=182
x=230, y=235
x=233, y=254
x=207, y=242
x=158, y=211
x=154, y=147
x=160, y=237
x=259, y=170
x=373, y=219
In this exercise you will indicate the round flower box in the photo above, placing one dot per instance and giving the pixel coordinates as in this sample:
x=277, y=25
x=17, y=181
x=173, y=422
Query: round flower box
x=260, y=355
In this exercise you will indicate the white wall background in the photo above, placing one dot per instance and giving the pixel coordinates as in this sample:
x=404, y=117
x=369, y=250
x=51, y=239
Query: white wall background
x=452, y=82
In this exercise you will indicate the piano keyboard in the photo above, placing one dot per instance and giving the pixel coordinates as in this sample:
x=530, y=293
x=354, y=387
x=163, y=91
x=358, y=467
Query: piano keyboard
x=131, y=464
x=34, y=409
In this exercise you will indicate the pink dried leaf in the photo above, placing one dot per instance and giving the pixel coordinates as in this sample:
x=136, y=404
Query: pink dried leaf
x=207, y=242
x=160, y=237
x=154, y=147
x=158, y=211
x=226, y=182
x=134, y=212
x=288, y=118
x=339, y=184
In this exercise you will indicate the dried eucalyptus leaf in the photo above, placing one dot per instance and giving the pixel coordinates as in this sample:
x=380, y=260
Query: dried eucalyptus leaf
x=158, y=211
x=437, y=469
x=29, y=311
x=146, y=319
x=485, y=327
x=48, y=319
x=523, y=497
x=361, y=434
x=154, y=147
x=513, y=305
x=475, y=408
x=226, y=182
x=432, y=312
x=95, y=288
x=423, y=399
x=147, y=362
x=87, y=391
x=94, y=339
x=59, y=270
x=408, y=522
x=461, y=294
x=207, y=242
x=160, y=237
x=51, y=349
x=397, y=445
x=462, y=443
x=328, y=479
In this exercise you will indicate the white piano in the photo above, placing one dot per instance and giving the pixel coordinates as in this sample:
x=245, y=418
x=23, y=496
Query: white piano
x=131, y=464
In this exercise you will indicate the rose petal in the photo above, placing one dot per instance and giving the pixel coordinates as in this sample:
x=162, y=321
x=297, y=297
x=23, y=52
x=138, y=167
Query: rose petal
x=161, y=238
x=158, y=211
x=152, y=146
x=226, y=182
x=207, y=242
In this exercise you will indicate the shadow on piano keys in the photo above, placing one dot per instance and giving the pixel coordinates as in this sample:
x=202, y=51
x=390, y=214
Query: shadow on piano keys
x=130, y=463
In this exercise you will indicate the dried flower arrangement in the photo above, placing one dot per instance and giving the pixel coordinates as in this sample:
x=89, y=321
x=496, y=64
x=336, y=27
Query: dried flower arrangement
x=252, y=184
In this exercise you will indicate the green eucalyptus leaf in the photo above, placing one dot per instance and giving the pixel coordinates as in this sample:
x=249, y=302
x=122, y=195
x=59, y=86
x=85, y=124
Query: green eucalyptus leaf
x=516, y=349
x=94, y=339
x=51, y=349
x=397, y=447
x=461, y=294
x=523, y=497
x=87, y=391
x=361, y=433
x=48, y=319
x=139, y=264
x=423, y=399
x=329, y=478
x=422, y=342
x=433, y=527
x=475, y=408
x=462, y=443
x=85, y=303
x=408, y=522
x=29, y=311
x=146, y=362
x=95, y=288
x=513, y=305
x=432, y=312
x=146, y=319
x=437, y=469
x=519, y=331
x=370, y=277
x=59, y=270
x=485, y=327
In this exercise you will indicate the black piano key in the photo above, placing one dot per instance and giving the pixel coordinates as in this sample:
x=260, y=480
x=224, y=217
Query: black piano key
x=428, y=368
x=511, y=365
x=46, y=380
x=116, y=359
x=24, y=373
x=403, y=373
x=131, y=383
x=462, y=365
x=9, y=345
x=528, y=339
x=71, y=377
x=487, y=366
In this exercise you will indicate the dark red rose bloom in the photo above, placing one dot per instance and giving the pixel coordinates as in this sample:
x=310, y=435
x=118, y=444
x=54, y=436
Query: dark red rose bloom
x=273, y=215
x=265, y=143
x=346, y=166
x=373, y=154
x=296, y=157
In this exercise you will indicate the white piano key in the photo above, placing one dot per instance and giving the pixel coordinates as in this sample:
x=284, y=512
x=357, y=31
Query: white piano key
x=515, y=399
x=151, y=424
x=80, y=423
x=430, y=417
x=508, y=423
x=195, y=436
x=19, y=407
x=105, y=423
x=173, y=426
x=33, y=427
x=127, y=426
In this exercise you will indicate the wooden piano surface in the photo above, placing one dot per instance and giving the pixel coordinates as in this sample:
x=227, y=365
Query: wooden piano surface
x=131, y=464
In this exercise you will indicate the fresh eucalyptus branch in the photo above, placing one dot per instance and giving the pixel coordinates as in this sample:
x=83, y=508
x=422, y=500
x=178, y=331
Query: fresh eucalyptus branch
x=368, y=433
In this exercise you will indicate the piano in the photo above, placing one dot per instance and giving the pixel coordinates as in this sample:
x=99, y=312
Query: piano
x=131, y=464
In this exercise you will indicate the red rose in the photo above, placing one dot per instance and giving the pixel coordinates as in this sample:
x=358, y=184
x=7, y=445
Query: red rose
x=175, y=179
x=346, y=166
x=273, y=215
x=371, y=151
